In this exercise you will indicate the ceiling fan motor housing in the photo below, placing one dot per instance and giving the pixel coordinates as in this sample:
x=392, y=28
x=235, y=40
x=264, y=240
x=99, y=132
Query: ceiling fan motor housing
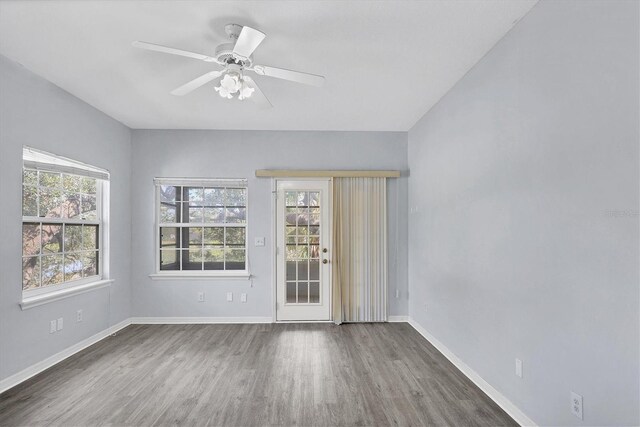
x=224, y=55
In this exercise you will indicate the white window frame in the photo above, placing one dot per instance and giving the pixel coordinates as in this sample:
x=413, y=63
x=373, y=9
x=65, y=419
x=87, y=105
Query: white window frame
x=34, y=159
x=199, y=274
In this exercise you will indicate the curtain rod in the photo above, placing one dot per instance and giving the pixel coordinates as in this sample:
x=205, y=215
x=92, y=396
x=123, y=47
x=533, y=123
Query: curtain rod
x=292, y=173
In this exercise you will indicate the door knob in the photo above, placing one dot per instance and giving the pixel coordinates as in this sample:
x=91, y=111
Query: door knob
x=325, y=261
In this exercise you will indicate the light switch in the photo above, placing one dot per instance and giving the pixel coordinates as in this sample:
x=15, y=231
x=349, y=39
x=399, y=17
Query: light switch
x=259, y=241
x=229, y=296
x=243, y=297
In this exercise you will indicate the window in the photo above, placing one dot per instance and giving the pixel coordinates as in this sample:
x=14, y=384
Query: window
x=202, y=227
x=62, y=217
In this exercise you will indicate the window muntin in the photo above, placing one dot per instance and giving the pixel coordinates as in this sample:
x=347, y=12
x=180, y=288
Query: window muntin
x=61, y=226
x=202, y=228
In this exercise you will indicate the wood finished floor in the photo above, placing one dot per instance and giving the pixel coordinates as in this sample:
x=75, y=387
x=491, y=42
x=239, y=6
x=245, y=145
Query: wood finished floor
x=254, y=375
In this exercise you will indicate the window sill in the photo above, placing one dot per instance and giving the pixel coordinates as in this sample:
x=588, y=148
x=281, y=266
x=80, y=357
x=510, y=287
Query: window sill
x=36, y=300
x=243, y=275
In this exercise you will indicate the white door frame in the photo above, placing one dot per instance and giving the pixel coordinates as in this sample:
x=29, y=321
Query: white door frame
x=274, y=247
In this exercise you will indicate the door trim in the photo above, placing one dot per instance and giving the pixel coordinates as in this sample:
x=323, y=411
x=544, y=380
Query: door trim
x=274, y=248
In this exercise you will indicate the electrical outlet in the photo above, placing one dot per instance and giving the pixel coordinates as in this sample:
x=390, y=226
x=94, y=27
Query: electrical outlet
x=243, y=297
x=53, y=327
x=60, y=323
x=397, y=293
x=79, y=316
x=229, y=296
x=259, y=241
x=576, y=405
x=200, y=296
x=518, y=367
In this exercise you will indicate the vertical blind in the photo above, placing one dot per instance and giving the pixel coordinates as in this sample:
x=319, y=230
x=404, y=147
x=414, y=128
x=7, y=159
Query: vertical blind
x=360, y=250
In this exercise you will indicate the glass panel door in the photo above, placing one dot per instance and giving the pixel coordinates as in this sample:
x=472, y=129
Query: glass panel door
x=303, y=250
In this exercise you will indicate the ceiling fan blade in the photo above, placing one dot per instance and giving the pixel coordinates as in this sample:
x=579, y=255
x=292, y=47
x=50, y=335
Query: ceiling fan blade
x=172, y=51
x=257, y=96
x=248, y=41
x=294, y=76
x=196, y=83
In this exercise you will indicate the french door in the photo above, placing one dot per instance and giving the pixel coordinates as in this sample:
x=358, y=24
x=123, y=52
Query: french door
x=303, y=273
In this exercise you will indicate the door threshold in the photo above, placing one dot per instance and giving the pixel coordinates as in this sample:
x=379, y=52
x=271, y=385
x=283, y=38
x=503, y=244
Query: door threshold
x=304, y=321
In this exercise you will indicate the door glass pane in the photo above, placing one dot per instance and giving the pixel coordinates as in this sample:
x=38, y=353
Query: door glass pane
x=303, y=270
x=291, y=292
x=314, y=270
x=291, y=270
x=302, y=253
x=303, y=293
x=314, y=292
x=290, y=198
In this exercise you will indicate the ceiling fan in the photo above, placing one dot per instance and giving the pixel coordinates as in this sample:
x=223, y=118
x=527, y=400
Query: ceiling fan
x=236, y=58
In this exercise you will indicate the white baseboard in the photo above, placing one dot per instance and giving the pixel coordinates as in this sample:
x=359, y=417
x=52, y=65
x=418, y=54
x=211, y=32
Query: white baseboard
x=198, y=320
x=35, y=369
x=396, y=319
x=511, y=409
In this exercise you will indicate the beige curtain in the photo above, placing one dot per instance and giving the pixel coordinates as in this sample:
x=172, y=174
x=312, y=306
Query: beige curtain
x=359, y=263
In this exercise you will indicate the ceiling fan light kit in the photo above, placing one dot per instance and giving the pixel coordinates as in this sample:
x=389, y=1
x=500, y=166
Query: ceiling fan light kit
x=236, y=57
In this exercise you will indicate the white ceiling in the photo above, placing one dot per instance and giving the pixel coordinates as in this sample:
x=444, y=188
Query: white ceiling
x=386, y=62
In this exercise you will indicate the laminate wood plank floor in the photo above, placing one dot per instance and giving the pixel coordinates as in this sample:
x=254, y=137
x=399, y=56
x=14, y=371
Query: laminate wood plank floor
x=254, y=375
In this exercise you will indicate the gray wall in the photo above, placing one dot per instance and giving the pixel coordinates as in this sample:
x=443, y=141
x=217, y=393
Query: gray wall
x=514, y=250
x=36, y=113
x=237, y=154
